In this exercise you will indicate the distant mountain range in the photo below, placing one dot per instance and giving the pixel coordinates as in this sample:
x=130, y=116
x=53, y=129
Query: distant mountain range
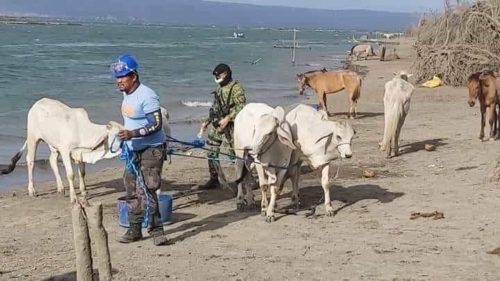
x=197, y=12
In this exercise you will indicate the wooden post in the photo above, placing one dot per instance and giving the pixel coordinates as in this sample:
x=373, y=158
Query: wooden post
x=100, y=239
x=294, y=45
x=82, y=244
x=382, y=53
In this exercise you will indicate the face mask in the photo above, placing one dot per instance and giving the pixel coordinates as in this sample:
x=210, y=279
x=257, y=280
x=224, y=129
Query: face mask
x=218, y=81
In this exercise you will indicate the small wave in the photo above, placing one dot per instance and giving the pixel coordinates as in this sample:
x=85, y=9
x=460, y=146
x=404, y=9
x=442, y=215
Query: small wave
x=197, y=103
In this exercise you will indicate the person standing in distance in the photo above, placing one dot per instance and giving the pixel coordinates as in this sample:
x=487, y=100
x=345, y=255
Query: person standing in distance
x=144, y=137
x=229, y=99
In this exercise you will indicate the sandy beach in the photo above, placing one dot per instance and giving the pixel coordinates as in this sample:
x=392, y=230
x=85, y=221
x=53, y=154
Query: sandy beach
x=371, y=237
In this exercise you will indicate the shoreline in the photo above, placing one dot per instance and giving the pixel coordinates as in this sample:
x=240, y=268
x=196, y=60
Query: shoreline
x=371, y=237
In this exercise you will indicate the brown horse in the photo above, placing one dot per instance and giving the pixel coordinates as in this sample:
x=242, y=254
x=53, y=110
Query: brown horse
x=485, y=87
x=329, y=82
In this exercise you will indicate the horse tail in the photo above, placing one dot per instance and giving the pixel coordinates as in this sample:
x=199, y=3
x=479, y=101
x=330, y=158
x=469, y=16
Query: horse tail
x=13, y=161
x=357, y=91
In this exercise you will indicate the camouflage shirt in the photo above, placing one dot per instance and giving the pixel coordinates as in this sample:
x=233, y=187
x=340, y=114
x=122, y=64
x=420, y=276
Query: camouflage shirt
x=232, y=96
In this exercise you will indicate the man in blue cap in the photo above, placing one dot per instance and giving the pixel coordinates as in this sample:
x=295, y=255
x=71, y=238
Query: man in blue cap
x=145, y=139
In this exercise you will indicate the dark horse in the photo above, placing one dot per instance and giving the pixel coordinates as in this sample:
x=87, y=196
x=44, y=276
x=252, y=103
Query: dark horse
x=329, y=82
x=485, y=87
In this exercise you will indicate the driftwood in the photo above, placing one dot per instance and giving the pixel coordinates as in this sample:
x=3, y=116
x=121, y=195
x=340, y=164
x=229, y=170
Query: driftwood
x=459, y=42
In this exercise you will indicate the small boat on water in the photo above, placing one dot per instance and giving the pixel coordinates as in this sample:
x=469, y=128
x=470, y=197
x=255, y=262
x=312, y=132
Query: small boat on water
x=238, y=34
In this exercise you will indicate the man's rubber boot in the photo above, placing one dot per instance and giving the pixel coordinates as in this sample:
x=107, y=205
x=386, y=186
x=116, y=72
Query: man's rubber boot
x=134, y=233
x=159, y=238
x=212, y=183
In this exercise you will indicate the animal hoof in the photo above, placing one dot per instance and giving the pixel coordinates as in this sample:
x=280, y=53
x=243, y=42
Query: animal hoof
x=251, y=208
x=297, y=205
x=270, y=219
x=330, y=213
x=240, y=207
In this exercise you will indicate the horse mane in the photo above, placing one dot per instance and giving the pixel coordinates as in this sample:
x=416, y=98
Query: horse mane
x=474, y=77
x=315, y=71
x=487, y=72
x=352, y=48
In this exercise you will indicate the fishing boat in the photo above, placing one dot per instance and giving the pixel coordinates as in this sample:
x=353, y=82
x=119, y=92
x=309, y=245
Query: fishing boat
x=238, y=34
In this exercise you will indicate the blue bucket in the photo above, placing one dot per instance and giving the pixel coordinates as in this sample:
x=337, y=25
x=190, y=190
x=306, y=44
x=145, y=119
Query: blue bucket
x=164, y=205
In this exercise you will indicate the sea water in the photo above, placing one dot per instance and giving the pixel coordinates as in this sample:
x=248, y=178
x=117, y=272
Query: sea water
x=71, y=63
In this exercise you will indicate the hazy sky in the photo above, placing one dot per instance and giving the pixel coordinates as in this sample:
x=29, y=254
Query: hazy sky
x=385, y=5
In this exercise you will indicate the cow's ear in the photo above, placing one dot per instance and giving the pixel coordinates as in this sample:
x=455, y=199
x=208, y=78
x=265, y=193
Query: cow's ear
x=279, y=114
x=285, y=135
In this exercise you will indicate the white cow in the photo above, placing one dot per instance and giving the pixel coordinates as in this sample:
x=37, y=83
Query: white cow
x=69, y=132
x=316, y=140
x=361, y=50
x=398, y=92
x=319, y=142
x=260, y=131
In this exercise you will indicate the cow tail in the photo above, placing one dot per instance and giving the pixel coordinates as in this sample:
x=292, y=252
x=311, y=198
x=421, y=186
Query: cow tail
x=244, y=167
x=394, y=115
x=14, y=160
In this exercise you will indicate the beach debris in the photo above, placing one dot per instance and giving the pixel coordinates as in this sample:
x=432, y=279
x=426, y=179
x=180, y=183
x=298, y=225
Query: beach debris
x=256, y=61
x=495, y=252
x=433, y=83
x=434, y=215
x=368, y=173
x=430, y=147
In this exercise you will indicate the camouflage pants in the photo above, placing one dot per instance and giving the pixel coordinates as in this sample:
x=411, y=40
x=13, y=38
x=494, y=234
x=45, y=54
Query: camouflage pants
x=150, y=162
x=215, y=140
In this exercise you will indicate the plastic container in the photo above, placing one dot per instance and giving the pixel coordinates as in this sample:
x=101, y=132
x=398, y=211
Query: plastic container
x=164, y=205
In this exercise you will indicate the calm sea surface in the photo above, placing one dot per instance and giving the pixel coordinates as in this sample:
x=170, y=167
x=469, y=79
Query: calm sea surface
x=71, y=63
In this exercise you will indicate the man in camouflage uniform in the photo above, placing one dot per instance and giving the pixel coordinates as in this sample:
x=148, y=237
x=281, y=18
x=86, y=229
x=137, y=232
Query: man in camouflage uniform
x=229, y=99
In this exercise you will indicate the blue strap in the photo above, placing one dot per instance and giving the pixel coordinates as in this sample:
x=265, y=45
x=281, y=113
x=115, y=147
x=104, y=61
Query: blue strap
x=128, y=156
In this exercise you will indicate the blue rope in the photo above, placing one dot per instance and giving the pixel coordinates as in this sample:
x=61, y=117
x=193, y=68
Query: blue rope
x=127, y=156
x=198, y=143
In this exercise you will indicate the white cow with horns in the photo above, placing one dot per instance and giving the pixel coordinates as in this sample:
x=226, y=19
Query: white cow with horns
x=69, y=132
x=314, y=139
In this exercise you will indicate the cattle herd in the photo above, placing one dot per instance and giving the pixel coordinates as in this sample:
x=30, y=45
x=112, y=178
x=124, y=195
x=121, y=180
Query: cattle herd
x=272, y=141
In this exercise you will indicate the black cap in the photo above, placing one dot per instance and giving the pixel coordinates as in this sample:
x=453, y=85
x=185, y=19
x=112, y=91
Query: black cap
x=221, y=68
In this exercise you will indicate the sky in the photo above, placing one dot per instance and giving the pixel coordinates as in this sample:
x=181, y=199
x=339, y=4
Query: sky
x=381, y=5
